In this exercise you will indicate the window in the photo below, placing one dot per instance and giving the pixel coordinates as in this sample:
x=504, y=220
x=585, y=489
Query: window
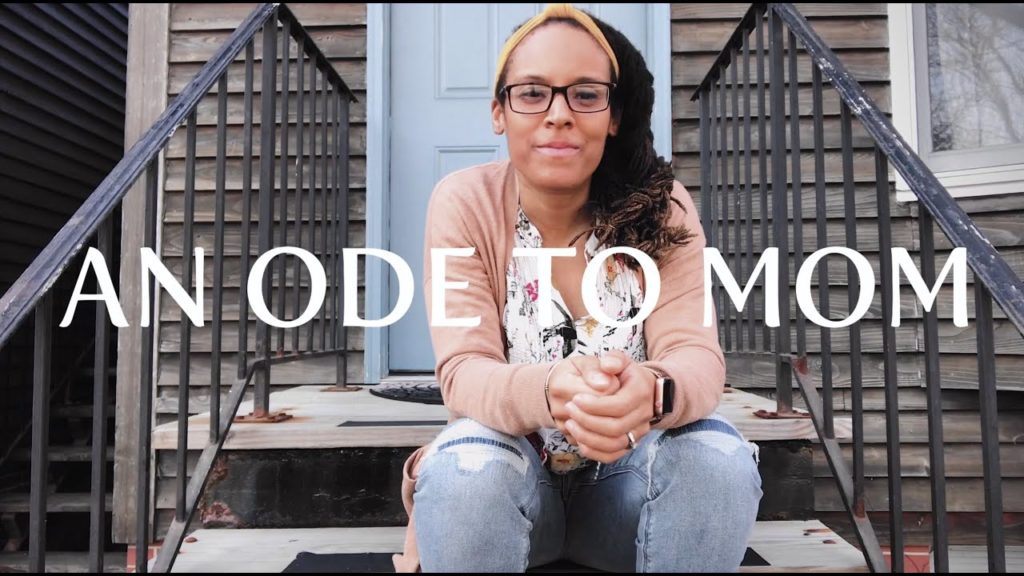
x=957, y=74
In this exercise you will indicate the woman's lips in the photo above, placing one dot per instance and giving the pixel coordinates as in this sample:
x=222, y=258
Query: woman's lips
x=558, y=150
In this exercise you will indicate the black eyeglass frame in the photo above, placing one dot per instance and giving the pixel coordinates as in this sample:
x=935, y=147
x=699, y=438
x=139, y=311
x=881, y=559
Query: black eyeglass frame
x=556, y=90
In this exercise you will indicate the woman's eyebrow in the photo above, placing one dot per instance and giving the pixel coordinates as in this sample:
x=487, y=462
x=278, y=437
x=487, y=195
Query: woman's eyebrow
x=544, y=80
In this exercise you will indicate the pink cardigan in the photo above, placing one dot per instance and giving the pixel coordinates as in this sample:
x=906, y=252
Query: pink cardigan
x=477, y=207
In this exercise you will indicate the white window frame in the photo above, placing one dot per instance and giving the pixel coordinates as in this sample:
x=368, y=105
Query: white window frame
x=995, y=180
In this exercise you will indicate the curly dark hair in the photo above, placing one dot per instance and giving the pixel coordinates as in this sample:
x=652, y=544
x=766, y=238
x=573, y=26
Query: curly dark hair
x=632, y=186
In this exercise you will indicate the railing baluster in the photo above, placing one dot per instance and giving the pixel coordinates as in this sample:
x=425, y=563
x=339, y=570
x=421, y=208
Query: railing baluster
x=312, y=179
x=146, y=385
x=748, y=192
x=218, y=258
x=323, y=191
x=332, y=216
x=101, y=363
x=737, y=262
x=243, y=299
x=798, y=214
x=282, y=260
x=261, y=404
x=41, y=356
x=780, y=220
x=762, y=157
x=300, y=160
x=933, y=379
x=705, y=166
x=821, y=220
x=724, y=311
x=892, y=408
x=341, y=378
x=853, y=295
x=989, y=427
x=713, y=157
x=185, y=324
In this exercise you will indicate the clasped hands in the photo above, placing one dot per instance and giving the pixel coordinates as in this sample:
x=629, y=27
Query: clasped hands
x=596, y=401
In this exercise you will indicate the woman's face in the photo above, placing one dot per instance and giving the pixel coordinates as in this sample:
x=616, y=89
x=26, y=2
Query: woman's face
x=560, y=148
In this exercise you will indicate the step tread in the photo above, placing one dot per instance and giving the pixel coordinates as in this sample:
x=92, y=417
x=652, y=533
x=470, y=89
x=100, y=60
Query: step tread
x=785, y=545
x=360, y=419
x=63, y=562
x=19, y=502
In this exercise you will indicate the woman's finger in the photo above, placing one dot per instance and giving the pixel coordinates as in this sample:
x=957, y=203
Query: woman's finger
x=607, y=425
x=600, y=455
x=613, y=405
x=594, y=441
x=614, y=361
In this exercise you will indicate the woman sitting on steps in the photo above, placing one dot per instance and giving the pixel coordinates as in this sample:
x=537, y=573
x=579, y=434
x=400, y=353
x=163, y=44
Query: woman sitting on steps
x=557, y=447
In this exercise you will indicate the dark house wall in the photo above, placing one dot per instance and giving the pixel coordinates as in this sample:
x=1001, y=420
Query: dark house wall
x=62, y=96
x=62, y=83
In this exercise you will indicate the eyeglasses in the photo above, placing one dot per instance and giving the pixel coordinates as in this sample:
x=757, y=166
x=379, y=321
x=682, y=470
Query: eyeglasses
x=585, y=97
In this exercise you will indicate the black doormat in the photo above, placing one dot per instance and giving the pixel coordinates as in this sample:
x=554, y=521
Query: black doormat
x=381, y=562
x=424, y=393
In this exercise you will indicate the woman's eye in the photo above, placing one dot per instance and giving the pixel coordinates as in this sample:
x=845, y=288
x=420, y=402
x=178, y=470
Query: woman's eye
x=531, y=94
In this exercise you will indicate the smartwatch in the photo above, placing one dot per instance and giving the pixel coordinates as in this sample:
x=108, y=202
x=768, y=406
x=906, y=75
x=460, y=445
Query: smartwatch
x=664, y=394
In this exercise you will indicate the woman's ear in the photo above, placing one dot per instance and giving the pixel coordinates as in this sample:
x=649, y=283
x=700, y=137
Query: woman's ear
x=497, y=117
x=613, y=126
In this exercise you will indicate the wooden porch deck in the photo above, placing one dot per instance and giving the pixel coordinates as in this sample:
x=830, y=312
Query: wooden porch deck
x=322, y=419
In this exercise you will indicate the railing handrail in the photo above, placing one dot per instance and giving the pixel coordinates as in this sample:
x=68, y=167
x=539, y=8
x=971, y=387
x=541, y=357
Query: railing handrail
x=1004, y=285
x=21, y=298
x=33, y=291
x=788, y=30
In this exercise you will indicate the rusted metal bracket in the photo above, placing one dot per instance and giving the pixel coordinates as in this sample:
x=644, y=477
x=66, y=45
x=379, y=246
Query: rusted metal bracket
x=270, y=418
x=344, y=388
x=773, y=415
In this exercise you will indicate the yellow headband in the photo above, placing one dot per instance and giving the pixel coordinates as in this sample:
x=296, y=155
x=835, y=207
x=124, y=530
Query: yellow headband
x=554, y=11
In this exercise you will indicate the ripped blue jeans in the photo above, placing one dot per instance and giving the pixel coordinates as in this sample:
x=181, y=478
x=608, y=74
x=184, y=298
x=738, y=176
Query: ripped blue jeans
x=685, y=500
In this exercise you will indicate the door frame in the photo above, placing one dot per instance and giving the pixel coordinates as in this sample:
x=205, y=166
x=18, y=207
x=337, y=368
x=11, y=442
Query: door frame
x=378, y=155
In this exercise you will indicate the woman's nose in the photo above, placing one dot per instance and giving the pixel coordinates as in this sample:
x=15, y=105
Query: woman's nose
x=559, y=111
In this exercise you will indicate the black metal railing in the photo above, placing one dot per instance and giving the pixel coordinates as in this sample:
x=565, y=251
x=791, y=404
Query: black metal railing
x=728, y=208
x=325, y=125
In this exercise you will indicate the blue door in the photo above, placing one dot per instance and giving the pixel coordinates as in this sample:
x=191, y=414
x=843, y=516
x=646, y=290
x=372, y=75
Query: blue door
x=441, y=74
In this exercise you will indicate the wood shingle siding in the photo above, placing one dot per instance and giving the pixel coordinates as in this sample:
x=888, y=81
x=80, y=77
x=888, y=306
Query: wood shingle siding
x=858, y=33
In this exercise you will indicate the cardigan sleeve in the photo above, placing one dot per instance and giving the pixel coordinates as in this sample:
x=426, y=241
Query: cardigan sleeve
x=678, y=344
x=475, y=377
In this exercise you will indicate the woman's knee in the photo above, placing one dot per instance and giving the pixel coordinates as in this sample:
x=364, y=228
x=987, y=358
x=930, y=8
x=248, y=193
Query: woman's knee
x=472, y=462
x=712, y=453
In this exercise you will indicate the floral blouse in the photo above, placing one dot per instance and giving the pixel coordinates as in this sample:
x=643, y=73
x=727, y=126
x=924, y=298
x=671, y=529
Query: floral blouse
x=620, y=295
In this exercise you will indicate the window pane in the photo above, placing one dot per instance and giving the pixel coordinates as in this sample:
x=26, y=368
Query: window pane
x=975, y=74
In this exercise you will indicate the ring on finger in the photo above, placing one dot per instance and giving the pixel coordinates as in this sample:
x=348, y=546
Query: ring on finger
x=631, y=440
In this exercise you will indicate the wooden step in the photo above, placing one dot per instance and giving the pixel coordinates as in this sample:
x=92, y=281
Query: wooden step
x=803, y=546
x=64, y=454
x=323, y=419
x=974, y=559
x=63, y=562
x=59, y=502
